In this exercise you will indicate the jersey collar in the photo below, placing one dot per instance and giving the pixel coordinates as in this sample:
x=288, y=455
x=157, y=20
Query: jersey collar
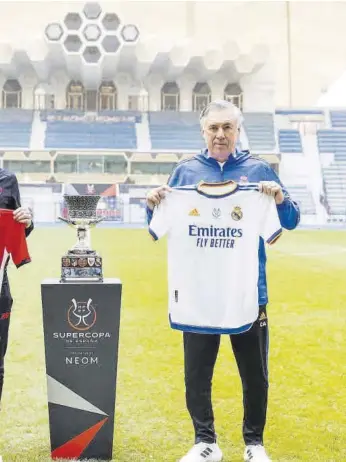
x=217, y=190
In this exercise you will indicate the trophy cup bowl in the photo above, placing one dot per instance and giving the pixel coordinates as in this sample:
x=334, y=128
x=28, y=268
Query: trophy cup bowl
x=81, y=262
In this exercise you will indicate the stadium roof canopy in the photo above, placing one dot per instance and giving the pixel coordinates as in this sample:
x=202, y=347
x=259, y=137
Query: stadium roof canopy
x=92, y=44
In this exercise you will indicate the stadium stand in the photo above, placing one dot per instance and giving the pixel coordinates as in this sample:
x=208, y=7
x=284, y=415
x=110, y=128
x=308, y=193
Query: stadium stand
x=260, y=131
x=338, y=119
x=300, y=112
x=331, y=140
x=290, y=141
x=303, y=196
x=334, y=141
x=175, y=130
x=15, y=128
x=89, y=134
x=170, y=133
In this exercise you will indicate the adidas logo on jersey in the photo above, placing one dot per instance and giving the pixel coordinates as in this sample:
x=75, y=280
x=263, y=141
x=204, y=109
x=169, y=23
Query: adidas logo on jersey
x=194, y=213
x=262, y=319
x=262, y=316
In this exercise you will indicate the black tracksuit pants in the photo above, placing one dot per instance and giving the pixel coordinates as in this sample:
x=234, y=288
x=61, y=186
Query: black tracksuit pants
x=5, y=311
x=251, y=354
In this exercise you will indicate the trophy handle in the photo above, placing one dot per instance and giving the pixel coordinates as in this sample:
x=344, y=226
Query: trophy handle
x=96, y=221
x=70, y=223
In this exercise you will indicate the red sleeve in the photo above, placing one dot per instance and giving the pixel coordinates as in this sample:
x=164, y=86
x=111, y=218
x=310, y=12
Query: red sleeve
x=19, y=249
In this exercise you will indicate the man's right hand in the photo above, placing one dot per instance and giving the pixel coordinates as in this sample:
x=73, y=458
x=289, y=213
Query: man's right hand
x=155, y=196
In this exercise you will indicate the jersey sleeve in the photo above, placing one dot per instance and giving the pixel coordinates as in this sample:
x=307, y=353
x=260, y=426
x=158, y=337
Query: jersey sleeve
x=271, y=228
x=162, y=218
x=18, y=248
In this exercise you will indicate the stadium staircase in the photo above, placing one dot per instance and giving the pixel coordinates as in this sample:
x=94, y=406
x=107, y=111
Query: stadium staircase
x=315, y=173
x=38, y=133
x=300, y=167
x=243, y=142
x=143, y=134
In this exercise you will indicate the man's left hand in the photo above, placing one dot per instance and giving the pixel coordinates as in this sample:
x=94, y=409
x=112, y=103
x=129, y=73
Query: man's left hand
x=23, y=215
x=272, y=189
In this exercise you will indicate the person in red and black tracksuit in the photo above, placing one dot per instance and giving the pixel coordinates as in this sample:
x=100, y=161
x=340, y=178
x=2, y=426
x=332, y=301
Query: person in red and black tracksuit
x=10, y=200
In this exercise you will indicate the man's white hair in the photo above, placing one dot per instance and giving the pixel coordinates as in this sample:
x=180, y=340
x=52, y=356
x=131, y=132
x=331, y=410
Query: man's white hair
x=221, y=105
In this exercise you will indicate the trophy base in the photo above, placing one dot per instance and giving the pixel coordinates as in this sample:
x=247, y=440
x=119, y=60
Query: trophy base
x=81, y=252
x=76, y=266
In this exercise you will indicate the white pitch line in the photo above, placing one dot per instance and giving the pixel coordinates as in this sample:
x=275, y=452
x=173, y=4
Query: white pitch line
x=314, y=254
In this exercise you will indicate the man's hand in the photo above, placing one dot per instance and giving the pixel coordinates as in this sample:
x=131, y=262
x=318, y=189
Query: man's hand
x=23, y=215
x=155, y=196
x=272, y=189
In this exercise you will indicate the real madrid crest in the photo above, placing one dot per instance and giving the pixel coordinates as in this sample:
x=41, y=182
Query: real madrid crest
x=237, y=214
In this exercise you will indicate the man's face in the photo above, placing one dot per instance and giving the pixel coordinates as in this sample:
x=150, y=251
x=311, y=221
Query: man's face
x=220, y=132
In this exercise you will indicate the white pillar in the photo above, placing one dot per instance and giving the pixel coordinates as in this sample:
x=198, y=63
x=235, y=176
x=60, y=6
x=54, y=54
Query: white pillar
x=2, y=81
x=186, y=84
x=153, y=84
x=28, y=82
x=59, y=82
x=258, y=97
x=123, y=83
x=122, y=97
x=259, y=90
x=217, y=87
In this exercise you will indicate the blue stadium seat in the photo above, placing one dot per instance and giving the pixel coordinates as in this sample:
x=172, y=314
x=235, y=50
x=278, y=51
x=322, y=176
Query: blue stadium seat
x=338, y=119
x=290, y=141
x=15, y=128
x=259, y=128
x=334, y=141
x=331, y=140
x=90, y=134
x=175, y=130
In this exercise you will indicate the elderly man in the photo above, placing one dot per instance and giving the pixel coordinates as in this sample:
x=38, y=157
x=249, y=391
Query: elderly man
x=220, y=125
x=10, y=200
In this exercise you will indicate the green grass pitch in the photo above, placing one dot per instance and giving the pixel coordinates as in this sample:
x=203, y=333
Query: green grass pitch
x=307, y=317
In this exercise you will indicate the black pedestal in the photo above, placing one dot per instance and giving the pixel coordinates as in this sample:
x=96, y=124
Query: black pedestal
x=81, y=335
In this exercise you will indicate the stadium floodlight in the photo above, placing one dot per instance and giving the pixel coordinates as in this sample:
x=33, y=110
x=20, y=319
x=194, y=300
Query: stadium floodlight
x=91, y=54
x=73, y=21
x=92, y=10
x=111, y=22
x=73, y=43
x=92, y=32
x=130, y=33
x=54, y=32
x=111, y=43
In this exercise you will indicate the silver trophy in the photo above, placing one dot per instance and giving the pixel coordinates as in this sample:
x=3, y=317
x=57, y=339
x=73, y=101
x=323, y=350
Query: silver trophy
x=81, y=262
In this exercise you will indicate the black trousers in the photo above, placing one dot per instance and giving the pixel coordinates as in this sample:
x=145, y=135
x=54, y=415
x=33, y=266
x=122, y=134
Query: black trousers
x=5, y=311
x=251, y=354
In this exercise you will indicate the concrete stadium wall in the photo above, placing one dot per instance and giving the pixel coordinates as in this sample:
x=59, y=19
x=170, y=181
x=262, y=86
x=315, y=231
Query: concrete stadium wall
x=307, y=40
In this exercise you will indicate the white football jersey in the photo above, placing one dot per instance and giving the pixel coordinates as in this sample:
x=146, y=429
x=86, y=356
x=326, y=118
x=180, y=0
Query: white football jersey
x=213, y=240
